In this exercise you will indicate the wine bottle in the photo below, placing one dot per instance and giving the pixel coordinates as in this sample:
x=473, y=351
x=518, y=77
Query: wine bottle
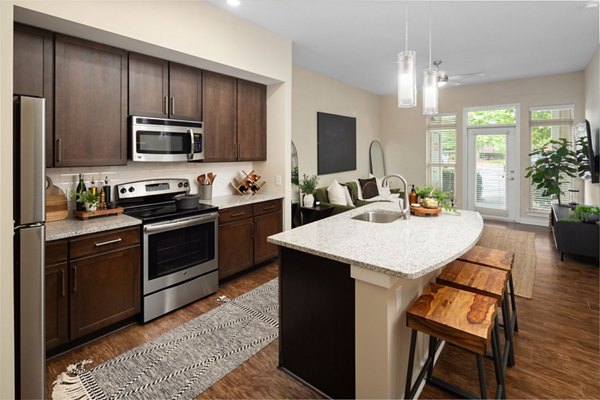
x=80, y=206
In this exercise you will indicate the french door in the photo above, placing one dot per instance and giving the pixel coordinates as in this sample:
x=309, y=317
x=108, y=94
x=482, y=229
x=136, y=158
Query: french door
x=492, y=184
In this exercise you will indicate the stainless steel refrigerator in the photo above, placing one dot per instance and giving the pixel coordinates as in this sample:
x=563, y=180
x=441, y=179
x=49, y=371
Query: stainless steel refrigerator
x=29, y=241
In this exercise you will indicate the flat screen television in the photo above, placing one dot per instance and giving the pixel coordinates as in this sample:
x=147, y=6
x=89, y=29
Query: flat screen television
x=584, y=128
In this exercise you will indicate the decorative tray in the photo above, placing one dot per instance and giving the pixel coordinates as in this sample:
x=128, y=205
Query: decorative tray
x=424, y=212
x=84, y=215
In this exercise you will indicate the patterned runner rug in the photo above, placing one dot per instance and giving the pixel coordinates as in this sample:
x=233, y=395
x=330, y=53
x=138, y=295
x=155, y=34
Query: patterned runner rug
x=523, y=245
x=185, y=361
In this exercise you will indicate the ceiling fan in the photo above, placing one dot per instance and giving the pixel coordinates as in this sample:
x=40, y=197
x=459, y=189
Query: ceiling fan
x=445, y=80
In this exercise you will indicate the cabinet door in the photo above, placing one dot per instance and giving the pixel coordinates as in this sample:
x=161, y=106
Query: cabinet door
x=148, y=86
x=235, y=247
x=251, y=121
x=185, y=89
x=33, y=73
x=218, y=115
x=266, y=225
x=105, y=289
x=90, y=103
x=56, y=286
x=56, y=307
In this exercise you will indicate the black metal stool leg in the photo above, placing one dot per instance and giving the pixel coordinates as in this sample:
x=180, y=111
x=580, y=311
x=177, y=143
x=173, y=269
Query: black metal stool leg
x=508, y=331
x=431, y=355
x=411, y=358
x=481, y=372
x=513, y=302
x=498, y=368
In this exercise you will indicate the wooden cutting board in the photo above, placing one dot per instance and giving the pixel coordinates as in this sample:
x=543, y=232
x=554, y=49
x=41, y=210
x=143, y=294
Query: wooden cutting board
x=56, y=202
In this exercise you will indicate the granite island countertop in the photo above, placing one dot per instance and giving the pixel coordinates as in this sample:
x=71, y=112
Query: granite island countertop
x=404, y=249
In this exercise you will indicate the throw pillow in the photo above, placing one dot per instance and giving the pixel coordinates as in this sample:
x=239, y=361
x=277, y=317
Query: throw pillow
x=358, y=191
x=368, y=188
x=348, y=196
x=336, y=193
x=383, y=190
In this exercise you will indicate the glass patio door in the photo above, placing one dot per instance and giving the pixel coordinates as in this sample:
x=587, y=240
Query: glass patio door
x=491, y=180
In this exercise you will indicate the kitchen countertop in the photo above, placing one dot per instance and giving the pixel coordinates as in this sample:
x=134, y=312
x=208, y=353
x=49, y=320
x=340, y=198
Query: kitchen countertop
x=405, y=249
x=73, y=226
x=236, y=200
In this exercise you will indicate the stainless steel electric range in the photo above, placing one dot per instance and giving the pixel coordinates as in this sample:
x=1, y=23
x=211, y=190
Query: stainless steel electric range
x=179, y=246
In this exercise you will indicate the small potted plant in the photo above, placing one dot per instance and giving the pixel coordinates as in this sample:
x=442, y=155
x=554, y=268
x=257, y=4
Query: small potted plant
x=308, y=185
x=589, y=214
x=89, y=199
x=432, y=197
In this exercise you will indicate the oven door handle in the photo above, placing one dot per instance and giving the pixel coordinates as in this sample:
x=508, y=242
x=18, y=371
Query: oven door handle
x=191, y=155
x=170, y=225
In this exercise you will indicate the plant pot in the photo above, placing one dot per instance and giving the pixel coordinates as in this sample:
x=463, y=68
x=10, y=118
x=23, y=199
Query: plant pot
x=308, y=200
x=91, y=206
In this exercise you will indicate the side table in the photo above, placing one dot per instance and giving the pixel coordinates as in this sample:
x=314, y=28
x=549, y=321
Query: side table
x=312, y=214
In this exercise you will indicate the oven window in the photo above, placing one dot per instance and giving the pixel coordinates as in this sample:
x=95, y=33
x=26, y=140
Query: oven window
x=152, y=142
x=179, y=249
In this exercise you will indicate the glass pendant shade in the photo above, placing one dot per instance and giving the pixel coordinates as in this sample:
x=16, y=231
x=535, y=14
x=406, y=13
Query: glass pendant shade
x=407, y=79
x=430, y=92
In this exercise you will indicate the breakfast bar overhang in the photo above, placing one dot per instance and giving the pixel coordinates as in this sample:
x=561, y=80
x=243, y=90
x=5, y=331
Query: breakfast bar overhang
x=345, y=285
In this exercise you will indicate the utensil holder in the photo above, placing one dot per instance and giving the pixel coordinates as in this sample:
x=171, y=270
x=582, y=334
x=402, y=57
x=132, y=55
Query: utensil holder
x=205, y=192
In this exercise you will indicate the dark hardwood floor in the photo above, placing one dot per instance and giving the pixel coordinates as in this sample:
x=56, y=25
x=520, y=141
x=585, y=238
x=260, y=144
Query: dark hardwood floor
x=557, y=347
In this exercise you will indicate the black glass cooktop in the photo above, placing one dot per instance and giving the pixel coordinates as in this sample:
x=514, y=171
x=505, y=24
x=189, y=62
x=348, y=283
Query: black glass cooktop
x=166, y=212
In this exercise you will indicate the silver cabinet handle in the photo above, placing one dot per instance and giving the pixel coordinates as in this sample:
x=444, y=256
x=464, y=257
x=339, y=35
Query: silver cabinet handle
x=62, y=282
x=117, y=240
x=74, y=279
x=172, y=105
x=166, y=104
x=238, y=214
x=191, y=155
x=59, y=150
x=268, y=208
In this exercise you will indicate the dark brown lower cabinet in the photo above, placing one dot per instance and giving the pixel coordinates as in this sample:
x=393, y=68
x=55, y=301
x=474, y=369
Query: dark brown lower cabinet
x=243, y=233
x=56, y=285
x=105, y=290
x=92, y=282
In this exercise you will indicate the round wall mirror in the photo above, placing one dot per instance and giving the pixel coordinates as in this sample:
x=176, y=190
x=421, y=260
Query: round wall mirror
x=376, y=158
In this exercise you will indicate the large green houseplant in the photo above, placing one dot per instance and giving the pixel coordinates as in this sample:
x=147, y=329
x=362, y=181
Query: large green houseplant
x=554, y=162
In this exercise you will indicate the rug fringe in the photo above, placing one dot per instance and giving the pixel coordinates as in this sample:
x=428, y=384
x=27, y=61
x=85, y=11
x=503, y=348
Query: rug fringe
x=69, y=386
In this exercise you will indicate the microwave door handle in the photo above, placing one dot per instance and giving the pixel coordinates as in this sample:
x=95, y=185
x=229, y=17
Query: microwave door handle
x=191, y=155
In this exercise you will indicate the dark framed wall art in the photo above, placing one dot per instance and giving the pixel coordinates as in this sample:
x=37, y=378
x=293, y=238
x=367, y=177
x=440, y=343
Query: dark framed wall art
x=336, y=143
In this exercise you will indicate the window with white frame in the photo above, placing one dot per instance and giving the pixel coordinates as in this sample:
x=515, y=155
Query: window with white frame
x=548, y=123
x=441, y=149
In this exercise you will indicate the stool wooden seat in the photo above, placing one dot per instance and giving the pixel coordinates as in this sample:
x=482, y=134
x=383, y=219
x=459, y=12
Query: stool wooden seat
x=498, y=259
x=488, y=282
x=467, y=320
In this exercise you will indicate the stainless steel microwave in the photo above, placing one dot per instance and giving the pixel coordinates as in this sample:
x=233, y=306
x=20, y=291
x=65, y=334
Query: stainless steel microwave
x=161, y=139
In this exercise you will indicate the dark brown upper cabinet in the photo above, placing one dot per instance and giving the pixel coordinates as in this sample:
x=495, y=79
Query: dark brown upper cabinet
x=219, y=117
x=33, y=73
x=90, y=103
x=159, y=88
x=234, y=113
x=251, y=121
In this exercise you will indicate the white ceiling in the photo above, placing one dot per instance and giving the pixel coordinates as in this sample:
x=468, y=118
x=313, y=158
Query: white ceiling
x=357, y=41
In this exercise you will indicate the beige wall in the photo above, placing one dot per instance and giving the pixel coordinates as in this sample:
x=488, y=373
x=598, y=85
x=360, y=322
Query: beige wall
x=404, y=137
x=592, y=114
x=6, y=222
x=312, y=93
x=194, y=33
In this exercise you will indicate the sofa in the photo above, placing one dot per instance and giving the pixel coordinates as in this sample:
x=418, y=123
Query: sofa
x=356, y=195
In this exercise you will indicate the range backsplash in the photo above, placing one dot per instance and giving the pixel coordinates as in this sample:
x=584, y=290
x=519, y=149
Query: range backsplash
x=67, y=178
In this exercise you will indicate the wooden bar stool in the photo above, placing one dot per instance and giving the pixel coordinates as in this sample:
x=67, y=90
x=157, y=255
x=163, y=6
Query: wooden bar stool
x=467, y=320
x=498, y=259
x=488, y=282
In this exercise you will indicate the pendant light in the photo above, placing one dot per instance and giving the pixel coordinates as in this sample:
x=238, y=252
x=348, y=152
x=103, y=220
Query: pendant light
x=430, y=88
x=407, y=74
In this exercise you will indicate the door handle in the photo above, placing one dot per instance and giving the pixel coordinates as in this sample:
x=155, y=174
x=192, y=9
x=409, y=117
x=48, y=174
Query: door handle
x=166, y=105
x=59, y=150
x=172, y=105
x=511, y=178
x=62, y=282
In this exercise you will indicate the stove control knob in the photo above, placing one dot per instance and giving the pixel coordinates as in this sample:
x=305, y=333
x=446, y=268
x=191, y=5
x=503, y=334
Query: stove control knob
x=185, y=184
x=179, y=184
x=131, y=189
x=123, y=190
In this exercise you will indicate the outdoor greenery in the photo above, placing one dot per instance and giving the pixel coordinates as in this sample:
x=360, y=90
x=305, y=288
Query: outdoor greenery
x=554, y=163
x=503, y=116
x=441, y=196
x=308, y=184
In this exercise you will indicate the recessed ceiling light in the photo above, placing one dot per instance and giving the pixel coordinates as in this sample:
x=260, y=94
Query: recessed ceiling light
x=591, y=4
x=234, y=3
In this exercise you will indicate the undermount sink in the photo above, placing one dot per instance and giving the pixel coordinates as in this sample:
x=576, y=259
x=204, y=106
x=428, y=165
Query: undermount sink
x=378, y=216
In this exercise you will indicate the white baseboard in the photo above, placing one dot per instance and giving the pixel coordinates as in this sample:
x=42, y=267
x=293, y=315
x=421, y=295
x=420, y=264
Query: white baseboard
x=542, y=221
